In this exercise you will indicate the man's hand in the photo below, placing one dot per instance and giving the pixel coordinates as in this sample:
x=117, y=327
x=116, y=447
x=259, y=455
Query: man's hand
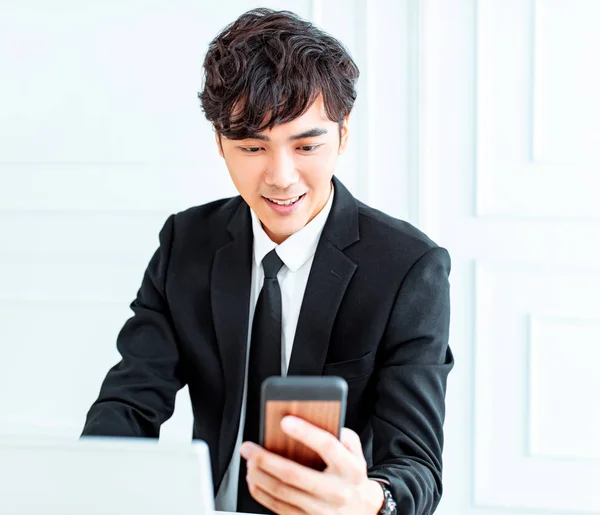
x=285, y=487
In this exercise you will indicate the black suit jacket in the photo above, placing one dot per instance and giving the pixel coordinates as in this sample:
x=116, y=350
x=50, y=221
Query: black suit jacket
x=375, y=312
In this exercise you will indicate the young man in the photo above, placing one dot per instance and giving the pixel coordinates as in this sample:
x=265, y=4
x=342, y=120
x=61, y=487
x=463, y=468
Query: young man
x=294, y=276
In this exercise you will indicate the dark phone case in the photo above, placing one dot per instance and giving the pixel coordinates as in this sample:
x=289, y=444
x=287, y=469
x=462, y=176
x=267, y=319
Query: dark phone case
x=303, y=388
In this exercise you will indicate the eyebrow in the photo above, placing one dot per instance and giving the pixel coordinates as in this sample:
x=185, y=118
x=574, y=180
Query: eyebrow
x=311, y=133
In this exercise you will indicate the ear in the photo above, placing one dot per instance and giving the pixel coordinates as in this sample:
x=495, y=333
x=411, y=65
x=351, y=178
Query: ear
x=344, y=132
x=219, y=144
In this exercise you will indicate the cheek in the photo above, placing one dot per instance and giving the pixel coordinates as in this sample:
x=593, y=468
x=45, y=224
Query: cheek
x=320, y=169
x=330, y=157
x=246, y=175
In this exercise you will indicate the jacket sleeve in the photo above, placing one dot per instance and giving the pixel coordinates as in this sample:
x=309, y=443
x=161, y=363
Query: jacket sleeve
x=138, y=394
x=409, y=413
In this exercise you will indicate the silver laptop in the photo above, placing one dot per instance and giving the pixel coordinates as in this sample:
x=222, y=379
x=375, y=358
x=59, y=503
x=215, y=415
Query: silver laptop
x=104, y=476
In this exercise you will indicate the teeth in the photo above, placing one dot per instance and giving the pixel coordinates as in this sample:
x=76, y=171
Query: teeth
x=285, y=202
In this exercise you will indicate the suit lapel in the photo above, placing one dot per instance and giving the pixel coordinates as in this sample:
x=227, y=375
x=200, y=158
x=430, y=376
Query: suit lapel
x=329, y=277
x=230, y=296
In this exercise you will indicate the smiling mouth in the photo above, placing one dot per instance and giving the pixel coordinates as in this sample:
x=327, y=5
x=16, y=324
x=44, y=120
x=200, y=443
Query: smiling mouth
x=287, y=202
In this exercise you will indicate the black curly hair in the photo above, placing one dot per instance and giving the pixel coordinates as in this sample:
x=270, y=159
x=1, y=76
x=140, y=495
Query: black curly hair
x=267, y=68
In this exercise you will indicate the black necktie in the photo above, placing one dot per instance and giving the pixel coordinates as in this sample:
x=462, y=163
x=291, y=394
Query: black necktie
x=264, y=361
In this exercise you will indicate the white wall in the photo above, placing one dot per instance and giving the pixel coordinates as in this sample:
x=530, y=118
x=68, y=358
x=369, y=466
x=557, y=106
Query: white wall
x=476, y=119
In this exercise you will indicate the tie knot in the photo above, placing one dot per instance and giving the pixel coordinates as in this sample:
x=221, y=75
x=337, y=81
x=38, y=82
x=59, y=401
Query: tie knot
x=272, y=264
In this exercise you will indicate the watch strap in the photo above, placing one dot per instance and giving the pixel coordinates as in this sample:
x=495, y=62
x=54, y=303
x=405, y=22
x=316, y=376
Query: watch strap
x=389, y=505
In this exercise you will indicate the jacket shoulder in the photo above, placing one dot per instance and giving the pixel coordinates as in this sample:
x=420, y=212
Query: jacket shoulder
x=392, y=234
x=391, y=248
x=206, y=219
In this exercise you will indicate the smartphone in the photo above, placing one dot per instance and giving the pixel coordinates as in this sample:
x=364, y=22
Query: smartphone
x=316, y=399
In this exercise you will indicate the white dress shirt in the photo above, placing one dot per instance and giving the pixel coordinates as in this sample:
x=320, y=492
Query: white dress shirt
x=297, y=253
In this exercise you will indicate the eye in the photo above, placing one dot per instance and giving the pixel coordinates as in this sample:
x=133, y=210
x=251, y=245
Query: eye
x=309, y=148
x=250, y=150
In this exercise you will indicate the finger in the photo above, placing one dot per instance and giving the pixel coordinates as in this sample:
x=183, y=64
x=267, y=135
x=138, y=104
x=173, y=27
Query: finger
x=283, y=492
x=352, y=442
x=318, y=484
x=333, y=453
x=275, y=505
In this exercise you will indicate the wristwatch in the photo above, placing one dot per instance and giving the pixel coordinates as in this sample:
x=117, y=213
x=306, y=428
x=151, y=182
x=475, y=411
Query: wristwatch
x=389, y=505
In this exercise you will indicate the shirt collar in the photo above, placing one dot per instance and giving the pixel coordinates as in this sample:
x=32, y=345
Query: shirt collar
x=299, y=247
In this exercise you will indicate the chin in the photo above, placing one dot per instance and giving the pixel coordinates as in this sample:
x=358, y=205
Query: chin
x=285, y=230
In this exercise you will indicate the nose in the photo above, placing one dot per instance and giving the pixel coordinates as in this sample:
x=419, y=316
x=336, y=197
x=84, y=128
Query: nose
x=281, y=172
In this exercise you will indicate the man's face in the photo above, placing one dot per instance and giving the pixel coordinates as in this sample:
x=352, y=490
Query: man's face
x=284, y=174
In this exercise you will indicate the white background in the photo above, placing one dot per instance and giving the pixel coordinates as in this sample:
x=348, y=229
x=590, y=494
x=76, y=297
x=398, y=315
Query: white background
x=477, y=120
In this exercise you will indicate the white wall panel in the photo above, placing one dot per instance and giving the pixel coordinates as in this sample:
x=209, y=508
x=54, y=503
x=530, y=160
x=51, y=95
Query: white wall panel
x=71, y=280
x=54, y=357
x=96, y=83
x=564, y=409
x=535, y=389
x=566, y=82
x=520, y=102
x=64, y=236
x=108, y=187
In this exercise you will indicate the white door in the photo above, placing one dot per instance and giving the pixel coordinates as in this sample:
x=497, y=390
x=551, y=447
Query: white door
x=509, y=163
